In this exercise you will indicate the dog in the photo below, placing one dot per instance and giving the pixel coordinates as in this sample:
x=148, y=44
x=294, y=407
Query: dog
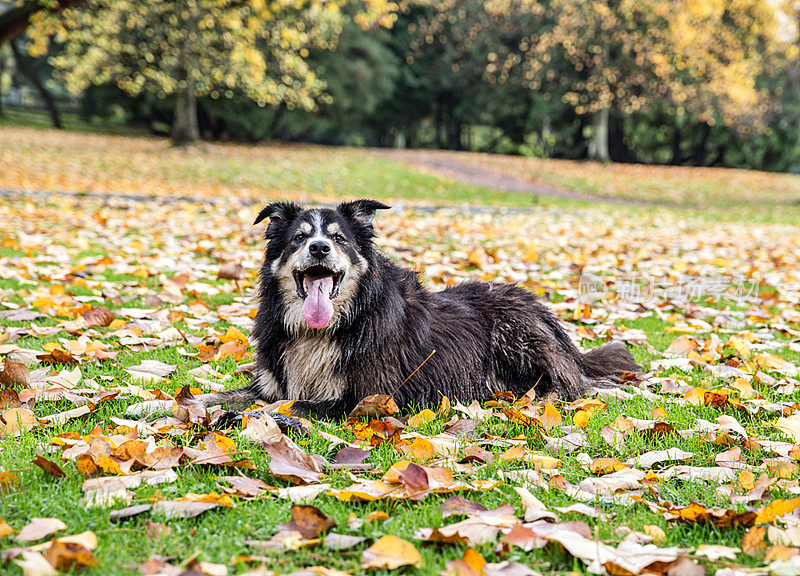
x=338, y=321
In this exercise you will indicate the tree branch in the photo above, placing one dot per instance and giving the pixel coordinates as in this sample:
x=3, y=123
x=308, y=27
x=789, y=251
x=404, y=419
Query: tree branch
x=14, y=21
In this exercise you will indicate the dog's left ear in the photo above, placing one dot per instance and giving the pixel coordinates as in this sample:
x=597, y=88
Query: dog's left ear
x=361, y=212
x=279, y=214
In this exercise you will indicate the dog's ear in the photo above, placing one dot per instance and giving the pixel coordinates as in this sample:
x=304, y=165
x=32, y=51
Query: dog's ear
x=279, y=213
x=362, y=212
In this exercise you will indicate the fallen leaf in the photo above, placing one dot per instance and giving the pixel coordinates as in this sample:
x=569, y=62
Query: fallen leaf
x=308, y=520
x=15, y=374
x=39, y=528
x=375, y=406
x=390, y=552
x=66, y=555
x=288, y=460
x=49, y=467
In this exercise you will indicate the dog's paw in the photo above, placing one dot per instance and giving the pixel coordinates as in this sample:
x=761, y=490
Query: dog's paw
x=226, y=420
x=287, y=423
x=149, y=409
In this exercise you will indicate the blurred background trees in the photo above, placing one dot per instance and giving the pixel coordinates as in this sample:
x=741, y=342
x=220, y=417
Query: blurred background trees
x=700, y=82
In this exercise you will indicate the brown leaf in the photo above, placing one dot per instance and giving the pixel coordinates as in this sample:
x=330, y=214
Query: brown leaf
x=188, y=409
x=310, y=521
x=57, y=356
x=456, y=505
x=9, y=399
x=288, y=460
x=415, y=479
x=463, y=427
x=375, y=406
x=525, y=538
x=98, y=316
x=753, y=541
x=477, y=454
x=49, y=467
x=156, y=530
x=244, y=486
x=391, y=552
x=231, y=271
x=350, y=455
x=67, y=555
x=230, y=349
x=15, y=374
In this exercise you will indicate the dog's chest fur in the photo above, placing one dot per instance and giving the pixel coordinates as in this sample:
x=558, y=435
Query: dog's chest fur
x=310, y=363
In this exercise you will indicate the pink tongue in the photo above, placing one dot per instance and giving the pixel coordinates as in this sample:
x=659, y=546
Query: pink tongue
x=317, y=307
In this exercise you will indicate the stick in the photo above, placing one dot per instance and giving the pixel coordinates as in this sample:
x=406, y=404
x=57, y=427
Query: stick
x=414, y=372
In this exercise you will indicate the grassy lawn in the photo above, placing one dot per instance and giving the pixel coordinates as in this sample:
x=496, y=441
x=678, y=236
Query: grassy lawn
x=679, y=185
x=727, y=289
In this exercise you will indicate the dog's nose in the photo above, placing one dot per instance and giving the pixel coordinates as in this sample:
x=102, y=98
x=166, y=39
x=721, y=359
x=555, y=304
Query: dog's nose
x=319, y=249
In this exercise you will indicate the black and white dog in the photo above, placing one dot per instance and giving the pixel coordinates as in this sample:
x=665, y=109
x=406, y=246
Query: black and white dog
x=338, y=321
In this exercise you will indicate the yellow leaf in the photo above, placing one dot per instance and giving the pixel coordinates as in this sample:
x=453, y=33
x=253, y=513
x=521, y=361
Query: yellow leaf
x=581, y=418
x=391, y=552
x=776, y=509
x=657, y=534
x=550, y=416
x=606, y=465
x=234, y=335
x=419, y=420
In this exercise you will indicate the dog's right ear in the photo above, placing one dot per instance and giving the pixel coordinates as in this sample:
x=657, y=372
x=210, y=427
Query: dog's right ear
x=279, y=214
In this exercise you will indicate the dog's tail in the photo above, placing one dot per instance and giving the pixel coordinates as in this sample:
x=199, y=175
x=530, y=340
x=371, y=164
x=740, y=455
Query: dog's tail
x=607, y=364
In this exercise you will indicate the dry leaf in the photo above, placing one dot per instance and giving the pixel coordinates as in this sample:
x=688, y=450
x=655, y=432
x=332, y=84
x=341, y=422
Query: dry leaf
x=39, y=528
x=390, y=552
x=308, y=520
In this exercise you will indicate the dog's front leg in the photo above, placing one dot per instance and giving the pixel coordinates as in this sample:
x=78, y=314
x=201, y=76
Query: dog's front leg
x=321, y=410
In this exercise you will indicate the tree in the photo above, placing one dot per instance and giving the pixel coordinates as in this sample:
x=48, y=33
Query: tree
x=15, y=17
x=624, y=56
x=189, y=48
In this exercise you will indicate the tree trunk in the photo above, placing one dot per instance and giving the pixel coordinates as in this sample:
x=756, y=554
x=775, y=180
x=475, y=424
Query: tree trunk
x=699, y=153
x=185, y=127
x=598, y=148
x=2, y=71
x=677, y=154
x=23, y=65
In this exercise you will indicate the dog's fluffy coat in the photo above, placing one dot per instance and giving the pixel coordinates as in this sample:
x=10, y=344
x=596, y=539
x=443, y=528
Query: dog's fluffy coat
x=488, y=337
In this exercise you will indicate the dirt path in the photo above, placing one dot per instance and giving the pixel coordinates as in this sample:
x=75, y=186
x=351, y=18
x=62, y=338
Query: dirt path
x=446, y=165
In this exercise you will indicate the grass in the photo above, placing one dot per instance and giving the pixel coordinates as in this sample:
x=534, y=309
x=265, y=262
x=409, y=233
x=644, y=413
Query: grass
x=547, y=248
x=677, y=185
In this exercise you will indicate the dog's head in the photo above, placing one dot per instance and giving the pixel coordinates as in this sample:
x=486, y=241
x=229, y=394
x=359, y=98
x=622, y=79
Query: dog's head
x=318, y=257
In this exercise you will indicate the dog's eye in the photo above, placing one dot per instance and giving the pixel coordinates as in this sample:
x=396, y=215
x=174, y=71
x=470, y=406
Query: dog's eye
x=338, y=238
x=299, y=237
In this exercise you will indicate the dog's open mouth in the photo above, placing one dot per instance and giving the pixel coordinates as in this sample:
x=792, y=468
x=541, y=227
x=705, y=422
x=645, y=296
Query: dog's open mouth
x=317, y=286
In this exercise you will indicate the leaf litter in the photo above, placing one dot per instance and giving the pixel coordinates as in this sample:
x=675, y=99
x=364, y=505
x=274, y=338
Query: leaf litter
x=79, y=322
